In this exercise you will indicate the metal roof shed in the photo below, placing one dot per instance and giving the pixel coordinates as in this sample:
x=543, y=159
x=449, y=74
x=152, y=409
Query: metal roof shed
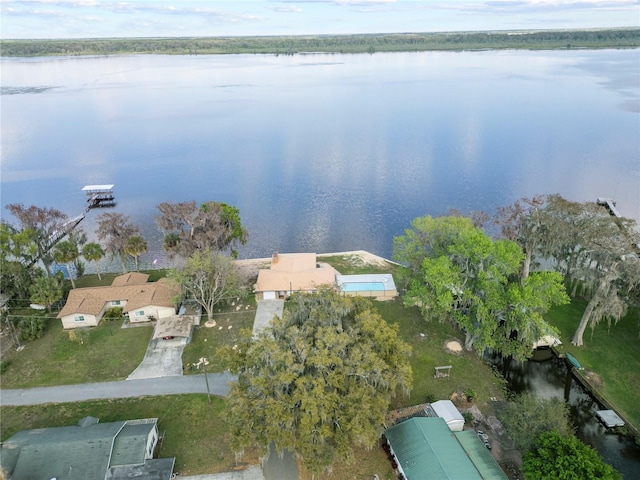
x=424, y=447
x=448, y=411
x=480, y=456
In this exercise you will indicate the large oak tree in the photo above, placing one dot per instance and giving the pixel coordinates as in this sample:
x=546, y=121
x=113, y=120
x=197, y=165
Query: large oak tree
x=459, y=274
x=188, y=227
x=319, y=380
x=596, y=252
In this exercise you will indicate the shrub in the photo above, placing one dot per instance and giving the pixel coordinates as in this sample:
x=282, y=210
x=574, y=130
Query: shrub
x=114, y=313
x=79, y=335
x=4, y=365
x=31, y=328
x=468, y=417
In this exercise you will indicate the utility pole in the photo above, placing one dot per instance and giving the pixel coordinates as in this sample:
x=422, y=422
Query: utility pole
x=206, y=379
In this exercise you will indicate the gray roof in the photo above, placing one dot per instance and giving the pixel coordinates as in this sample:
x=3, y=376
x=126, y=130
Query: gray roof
x=60, y=452
x=87, y=451
x=157, y=469
x=131, y=443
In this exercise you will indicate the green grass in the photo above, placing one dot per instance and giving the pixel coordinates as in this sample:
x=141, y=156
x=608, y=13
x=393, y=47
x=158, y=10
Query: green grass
x=109, y=353
x=612, y=353
x=468, y=370
x=354, y=265
x=194, y=430
x=206, y=341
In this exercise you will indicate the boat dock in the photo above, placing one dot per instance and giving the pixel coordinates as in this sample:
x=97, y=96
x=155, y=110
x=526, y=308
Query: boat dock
x=609, y=418
x=610, y=205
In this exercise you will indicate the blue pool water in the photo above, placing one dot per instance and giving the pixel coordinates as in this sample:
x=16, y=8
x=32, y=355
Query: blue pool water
x=363, y=286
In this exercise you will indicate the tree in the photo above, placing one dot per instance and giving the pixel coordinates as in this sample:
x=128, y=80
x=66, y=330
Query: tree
x=114, y=229
x=43, y=223
x=93, y=252
x=527, y=416
x=212, y=226
x=18, y=253
x=459, y=274
x=45, y=291
x=524, y=223
x=595, y=251
x=208, y=278
x=565, y=458
x=66, y=252
x=319, y=380
x=134, y=247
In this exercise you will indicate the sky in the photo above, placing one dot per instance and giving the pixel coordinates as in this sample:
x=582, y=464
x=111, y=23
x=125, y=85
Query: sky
x=180, y=18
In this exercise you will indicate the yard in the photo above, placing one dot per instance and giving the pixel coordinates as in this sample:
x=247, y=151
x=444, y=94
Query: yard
x=109, y=352
x=54, y=359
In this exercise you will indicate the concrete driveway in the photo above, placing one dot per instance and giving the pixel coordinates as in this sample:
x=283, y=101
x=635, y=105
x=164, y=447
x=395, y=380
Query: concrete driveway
x=163, y=358
x=267, y=309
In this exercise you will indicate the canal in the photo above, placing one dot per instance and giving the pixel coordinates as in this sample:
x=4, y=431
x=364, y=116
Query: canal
x=548, y=376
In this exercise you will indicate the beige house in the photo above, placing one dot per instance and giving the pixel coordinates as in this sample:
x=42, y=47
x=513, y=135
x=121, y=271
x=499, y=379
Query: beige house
x=293, y=272
x=140, y=300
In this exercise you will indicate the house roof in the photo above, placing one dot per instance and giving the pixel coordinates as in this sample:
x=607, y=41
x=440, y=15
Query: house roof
x=131, y=278
x=91, y=300
x=87, y=452
x=152, y=469
x=426, y=448
x=480, y=456
x=57, y=452
x=294, y=272
x=130, y=445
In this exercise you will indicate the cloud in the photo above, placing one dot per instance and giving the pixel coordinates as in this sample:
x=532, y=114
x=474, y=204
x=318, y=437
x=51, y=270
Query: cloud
x=286, y=8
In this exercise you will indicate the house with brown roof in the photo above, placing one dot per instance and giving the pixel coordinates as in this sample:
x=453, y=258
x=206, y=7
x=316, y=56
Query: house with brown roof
x=139, y=299
x=293, y=272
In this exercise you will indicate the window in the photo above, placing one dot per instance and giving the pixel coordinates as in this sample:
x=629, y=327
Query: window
x=140, y=313
x=115, y=303
x=78, y=318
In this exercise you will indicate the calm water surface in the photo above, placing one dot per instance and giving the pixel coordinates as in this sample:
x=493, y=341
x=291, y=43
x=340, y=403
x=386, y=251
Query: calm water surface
x=322, y=152
x=552, y=379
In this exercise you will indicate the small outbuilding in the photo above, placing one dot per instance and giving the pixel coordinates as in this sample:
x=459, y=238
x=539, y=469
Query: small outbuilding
x=446, y=410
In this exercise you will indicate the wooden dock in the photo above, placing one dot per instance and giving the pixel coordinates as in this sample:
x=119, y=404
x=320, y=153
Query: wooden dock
x=610, y=205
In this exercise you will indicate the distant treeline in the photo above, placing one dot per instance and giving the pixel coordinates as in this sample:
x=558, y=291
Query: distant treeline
x=364, y=43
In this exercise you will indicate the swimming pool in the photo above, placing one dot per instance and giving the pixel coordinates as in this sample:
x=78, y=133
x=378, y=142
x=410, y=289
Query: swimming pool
x=363, y=287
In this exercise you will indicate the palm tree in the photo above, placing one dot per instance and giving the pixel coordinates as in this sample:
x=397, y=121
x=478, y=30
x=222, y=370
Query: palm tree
x=135, y=246
x=66, y=252
x=93, y=252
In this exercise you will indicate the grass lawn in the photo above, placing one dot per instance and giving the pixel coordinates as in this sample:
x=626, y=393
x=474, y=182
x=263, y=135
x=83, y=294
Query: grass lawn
x=206, y=341
x=612, y=353
x=109, y=353
x=194, y=430
x=428, y=343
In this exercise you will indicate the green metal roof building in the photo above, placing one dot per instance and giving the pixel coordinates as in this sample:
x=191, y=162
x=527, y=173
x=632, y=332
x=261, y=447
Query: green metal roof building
x=425, y=448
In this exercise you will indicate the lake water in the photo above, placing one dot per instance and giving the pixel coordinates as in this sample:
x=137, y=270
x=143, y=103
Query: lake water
x=321, y=152
x=551, y=378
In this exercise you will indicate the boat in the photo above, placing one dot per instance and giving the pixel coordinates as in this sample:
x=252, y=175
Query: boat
x=574, y=361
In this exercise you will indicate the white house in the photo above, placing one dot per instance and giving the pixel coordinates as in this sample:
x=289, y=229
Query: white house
x=140, y=300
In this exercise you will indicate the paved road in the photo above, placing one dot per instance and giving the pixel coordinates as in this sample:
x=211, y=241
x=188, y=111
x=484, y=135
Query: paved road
x=218, y=385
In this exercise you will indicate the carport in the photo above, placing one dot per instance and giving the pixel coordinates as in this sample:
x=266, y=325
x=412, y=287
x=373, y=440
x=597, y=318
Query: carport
x=174, y=326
